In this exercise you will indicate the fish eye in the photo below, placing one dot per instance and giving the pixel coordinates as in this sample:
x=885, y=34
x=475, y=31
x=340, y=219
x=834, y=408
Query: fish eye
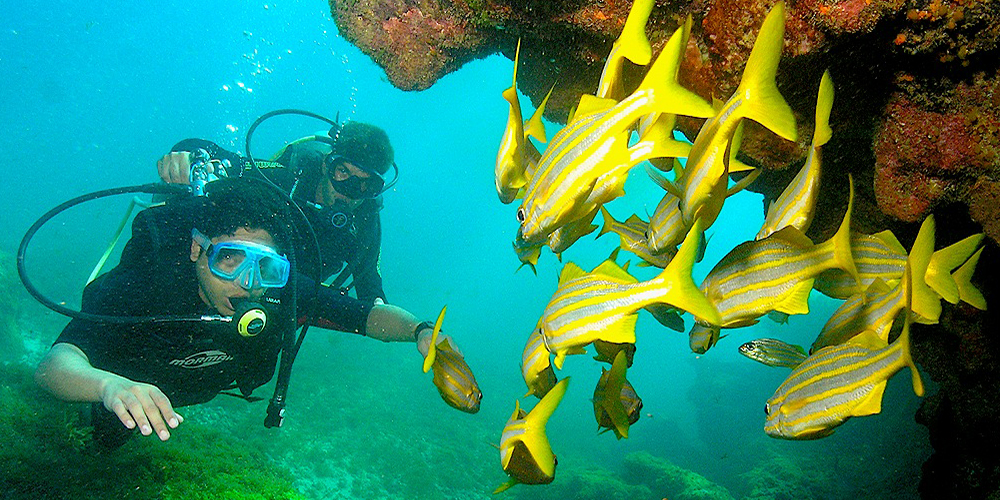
x=767, y=409
x=520, y=215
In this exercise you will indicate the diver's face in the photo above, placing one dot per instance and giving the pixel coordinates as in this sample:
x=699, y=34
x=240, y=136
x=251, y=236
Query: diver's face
x=217, y=292
x=326, y=192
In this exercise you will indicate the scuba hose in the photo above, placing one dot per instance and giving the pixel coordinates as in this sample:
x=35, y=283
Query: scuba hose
x=245, y=320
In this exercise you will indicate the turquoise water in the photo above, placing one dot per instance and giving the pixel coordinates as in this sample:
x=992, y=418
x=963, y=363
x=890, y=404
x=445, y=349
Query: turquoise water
x=93, y=94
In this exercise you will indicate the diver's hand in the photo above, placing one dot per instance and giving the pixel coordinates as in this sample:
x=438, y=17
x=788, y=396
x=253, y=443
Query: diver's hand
x=424, y=342
x=140, y=405
x=175, y=168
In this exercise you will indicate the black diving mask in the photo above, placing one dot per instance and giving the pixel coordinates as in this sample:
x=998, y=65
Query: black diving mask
x=349, y=184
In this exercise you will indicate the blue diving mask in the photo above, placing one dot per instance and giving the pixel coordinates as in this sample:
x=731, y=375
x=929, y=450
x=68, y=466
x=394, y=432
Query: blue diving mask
x=246, y=263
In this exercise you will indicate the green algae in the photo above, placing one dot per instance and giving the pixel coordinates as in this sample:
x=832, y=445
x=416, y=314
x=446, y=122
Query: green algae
x=11, y=296
x=47, y=453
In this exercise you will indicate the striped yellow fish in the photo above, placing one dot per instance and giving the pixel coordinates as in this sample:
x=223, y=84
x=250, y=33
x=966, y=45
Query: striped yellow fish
x=877, y=257
x=527, y=253
x=596, y=145
x=452, y=376
x=774, y=352
x=839, y=382
x=632, y=237
x=632, y=44
x=666, y=225
x=602, y=304
x=525, y=453
x=774, y=274
x=616, y=404
x=796, y=204
x=757, y=98
x=881, y=257
x=536, y=366
x=516, y=151
x=872, y=310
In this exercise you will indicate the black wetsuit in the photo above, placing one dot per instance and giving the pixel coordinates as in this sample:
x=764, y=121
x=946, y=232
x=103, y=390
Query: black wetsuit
x=191, y=362
x=356, y=244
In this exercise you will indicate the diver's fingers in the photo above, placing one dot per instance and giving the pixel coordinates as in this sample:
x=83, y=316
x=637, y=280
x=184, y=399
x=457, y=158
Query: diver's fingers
x=137, y=411
x=118, y=407
x=175, y=167
x=165, y=409
x=153, y=404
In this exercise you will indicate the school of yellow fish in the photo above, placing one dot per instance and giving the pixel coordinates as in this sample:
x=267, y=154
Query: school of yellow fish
x=584, y=166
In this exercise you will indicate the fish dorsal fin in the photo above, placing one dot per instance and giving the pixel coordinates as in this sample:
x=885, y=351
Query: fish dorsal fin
x=612, y=270
x=534, y=126
x=570, y=271
x=432, y=349
x=869, y=340
x=635, y=221
x=891, y=241
x=792, y=235
x=877, y=288
x=798, y=301
x=872, y=403
x=590, y=104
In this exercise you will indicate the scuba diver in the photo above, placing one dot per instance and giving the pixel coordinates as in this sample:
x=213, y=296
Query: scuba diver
x=205, y=257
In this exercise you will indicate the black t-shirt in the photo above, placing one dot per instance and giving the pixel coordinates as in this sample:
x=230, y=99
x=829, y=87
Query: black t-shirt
x=189, y=361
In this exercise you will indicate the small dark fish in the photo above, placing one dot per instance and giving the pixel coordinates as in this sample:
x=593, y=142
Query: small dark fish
x=606, y=351
x=774, y=352
x=616, y=404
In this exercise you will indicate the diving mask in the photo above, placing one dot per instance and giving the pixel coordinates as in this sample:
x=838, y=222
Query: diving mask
x=246, y=263
x=349, y=184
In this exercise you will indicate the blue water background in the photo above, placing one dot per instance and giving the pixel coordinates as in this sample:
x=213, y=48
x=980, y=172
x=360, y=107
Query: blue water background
x=94, y=92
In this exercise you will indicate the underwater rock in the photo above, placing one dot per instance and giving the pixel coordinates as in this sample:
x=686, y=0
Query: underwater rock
x=670, y=481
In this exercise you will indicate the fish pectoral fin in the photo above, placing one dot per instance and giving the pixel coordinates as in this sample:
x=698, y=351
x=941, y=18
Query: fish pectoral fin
x=505, y=486
x=798, y=301
x=872, y=403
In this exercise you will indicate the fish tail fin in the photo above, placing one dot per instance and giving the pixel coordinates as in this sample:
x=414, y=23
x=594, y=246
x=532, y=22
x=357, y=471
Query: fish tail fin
x=539, y=415
x=766, y=105
x=904, y=337
x=432, y=349
x=923, y=299
x=668, y=94
x=634, y=45
x=681, y=290
x=505, y=486
x=824, y=104
x=534, y=126
x=967, y=292
x=842, y=255
x=938, y=275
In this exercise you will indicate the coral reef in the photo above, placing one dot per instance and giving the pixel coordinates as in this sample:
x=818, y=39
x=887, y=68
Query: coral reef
x=669, y=480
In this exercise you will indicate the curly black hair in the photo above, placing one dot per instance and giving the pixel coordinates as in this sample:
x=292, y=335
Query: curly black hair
x=248, y=203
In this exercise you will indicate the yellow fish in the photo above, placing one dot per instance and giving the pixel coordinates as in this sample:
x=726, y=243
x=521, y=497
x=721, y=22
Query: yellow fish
x=796, y=204
x=877, y=256
x=756, y=98
x=967, y=292
x=839, y=382
x=602, y=304
x=632, y=237
x=596, y=145
x=562, y=238
x=516, y=152
x=873, y=310
x=536, y=366
x=774, y=274
x=632, y=44
x=616, y=404
x=525, y=453
x=452, y=376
